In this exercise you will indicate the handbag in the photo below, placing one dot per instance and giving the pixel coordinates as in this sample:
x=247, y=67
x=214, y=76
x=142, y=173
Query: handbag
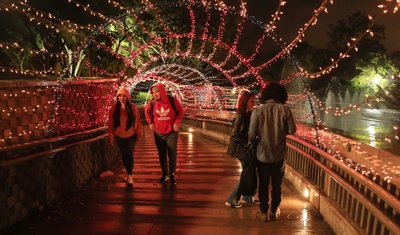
x=233, y=148
x=248, y=178
x=235, y=145
x=236, y=149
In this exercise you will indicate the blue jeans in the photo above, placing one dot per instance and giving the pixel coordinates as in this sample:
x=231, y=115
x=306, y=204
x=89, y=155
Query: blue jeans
x=234, y=194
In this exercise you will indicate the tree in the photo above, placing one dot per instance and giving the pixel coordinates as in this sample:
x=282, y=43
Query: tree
x=354, y=26
x=376, y=76
x=39, y=44
x=395, y=57
x=304, y=54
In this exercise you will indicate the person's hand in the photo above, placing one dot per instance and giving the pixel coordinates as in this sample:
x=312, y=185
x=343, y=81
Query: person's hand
x=249, y=147
x=152, y=127
x=111, y=139
x=176, y=127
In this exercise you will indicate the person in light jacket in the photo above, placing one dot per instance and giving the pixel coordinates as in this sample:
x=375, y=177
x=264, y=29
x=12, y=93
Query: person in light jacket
x=269, y=125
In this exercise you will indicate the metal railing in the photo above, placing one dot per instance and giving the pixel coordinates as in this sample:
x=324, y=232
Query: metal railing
x=370, y=207
x=44, y=170
x=48, y=147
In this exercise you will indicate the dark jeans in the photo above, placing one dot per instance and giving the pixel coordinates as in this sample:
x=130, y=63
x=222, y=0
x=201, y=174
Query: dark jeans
x=266, y=172
x=167, y=145
x=126, y=146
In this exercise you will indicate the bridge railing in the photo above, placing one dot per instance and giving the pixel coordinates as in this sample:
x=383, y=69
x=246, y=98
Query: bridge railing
x=351, y=202
x=37, y=173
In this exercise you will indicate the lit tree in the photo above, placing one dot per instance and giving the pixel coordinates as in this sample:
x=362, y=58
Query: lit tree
x=377, y=73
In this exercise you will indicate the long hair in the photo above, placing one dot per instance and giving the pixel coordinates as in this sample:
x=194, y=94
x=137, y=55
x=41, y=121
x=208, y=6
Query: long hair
x=117, y=114
x=242, y=103
x=274, y=91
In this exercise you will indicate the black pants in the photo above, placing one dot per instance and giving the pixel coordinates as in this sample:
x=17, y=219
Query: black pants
x=126, y=146
x=167, y=146
x=267, y=172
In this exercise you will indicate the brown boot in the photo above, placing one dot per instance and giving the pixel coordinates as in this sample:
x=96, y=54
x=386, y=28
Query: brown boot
x=262, y=216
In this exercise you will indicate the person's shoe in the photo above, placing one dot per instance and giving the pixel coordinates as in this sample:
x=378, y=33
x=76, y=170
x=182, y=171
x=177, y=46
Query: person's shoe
x=164, y=178
x=172, y=179
x=234, y=204
x=129, y=180
x=274, y=213
x=262, y=216
x=247, y=199
x=251, y=201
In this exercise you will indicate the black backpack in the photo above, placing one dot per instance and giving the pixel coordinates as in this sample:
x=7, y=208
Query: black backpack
x=171, y=100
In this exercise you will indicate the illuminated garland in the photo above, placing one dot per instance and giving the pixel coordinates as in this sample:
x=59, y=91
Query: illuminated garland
x=141, y=61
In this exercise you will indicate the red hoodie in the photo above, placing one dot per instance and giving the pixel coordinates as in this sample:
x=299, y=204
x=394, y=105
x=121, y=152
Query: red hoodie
x=164, y=114
x=121, y=131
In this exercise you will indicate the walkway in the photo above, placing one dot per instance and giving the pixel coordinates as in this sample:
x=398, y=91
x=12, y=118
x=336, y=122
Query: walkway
x=194, y=206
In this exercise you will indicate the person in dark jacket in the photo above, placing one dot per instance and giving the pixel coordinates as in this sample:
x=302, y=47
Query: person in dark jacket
x=165, y=120
x=241, y=123
x=269, y=125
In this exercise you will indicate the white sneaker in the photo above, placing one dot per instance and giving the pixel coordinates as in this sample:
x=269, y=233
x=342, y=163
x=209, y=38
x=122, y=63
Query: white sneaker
x=129, y=180
x=234, y=204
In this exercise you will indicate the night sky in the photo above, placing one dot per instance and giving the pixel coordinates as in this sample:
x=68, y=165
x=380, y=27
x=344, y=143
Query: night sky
x=298, y=12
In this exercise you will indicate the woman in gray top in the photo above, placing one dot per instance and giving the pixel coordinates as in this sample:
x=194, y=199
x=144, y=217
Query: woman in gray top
x=269, y=125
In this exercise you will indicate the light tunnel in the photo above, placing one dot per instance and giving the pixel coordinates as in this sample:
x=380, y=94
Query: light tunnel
x=202, y=57
x=204, y=44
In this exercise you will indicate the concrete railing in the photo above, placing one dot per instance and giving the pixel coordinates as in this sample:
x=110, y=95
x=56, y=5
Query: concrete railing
x=349, y=201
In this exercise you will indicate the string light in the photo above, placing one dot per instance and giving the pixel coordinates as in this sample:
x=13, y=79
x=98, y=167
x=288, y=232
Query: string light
x=395, y=4
x=138, y=57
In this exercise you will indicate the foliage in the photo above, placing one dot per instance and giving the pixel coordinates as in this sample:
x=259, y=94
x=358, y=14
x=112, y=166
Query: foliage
x=40, y=43
x=354, y=26
x=376, y=70
x=395, y=57
x=376, y=76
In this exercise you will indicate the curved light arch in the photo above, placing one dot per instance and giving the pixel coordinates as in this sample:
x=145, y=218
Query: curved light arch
x=191, y=36
x=155, y=74
x=230, y=51
x=165, y=69
x=185, y=39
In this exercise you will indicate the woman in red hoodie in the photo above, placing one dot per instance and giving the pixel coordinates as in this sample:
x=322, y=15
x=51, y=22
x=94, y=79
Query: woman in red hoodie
x=125, y=128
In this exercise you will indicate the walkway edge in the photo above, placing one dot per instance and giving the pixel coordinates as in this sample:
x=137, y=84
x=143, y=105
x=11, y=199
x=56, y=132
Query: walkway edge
x=329, y=212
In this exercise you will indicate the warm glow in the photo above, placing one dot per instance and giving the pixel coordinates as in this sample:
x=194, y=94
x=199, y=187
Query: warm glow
x=306, y=193
x=377, y=79
x=305, y=216
x=196, y=43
